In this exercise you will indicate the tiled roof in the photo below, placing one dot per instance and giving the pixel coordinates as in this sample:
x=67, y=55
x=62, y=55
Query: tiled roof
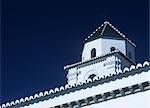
x=107, y=30
x=57, y=91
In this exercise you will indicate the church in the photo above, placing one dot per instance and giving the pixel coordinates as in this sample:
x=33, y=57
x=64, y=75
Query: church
x=106, y=77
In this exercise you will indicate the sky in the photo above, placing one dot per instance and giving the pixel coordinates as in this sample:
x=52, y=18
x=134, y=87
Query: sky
x=39, y=37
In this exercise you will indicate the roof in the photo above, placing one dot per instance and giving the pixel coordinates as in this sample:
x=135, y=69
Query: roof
x=130, y=71
x=107, y=30
x=98, y=57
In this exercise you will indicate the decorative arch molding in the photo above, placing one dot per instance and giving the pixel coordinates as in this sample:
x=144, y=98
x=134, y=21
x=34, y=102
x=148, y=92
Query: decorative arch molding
x=91, y=72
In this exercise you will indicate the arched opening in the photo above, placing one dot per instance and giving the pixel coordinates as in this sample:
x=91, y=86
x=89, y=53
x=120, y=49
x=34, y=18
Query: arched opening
x=91, y=76
x=93, y=53
x=112, y=49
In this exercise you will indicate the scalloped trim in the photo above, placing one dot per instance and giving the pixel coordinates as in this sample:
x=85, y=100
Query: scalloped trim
x=107, y=96
x=62, y=88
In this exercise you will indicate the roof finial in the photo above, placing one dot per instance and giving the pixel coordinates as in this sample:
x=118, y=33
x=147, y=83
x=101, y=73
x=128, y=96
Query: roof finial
x=106, y=22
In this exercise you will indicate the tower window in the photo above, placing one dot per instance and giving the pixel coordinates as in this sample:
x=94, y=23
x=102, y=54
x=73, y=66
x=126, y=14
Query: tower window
x=92, y=76
x=112, y=49
x=93, y=53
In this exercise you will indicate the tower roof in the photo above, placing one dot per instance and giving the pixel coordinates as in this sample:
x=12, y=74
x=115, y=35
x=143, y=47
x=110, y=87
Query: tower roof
x=107, y=30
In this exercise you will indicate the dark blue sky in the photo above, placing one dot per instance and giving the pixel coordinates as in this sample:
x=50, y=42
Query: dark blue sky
x=40, y=36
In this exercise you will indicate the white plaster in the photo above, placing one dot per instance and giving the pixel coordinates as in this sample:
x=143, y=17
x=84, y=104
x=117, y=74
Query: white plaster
x=105, y=68
x=81, y=73
x=139, y=100
x=110, y=65
x=86, y=54
x=84, y=93
x=108, y=43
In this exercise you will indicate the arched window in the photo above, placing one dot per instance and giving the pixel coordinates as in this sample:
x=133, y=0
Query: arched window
x=112, y=49
x=91, y=76
x=93, y=53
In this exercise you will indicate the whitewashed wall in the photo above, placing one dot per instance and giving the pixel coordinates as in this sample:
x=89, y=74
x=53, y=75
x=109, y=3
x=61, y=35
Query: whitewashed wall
x=110, y=65
x=102, y=47
x=99, y=69
x=139, y=100
x=106, y=87
x=118, y=44
x=97, y=44
x=72, y=76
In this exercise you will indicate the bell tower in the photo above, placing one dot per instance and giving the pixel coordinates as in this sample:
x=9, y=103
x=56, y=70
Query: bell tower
x=106, y=51
x=106, y=39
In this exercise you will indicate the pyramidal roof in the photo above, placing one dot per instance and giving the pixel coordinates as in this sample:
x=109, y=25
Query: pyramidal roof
x=107, y=30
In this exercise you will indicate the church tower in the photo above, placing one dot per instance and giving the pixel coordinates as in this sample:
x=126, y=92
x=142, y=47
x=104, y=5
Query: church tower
x=105, y=77
x=106, y=51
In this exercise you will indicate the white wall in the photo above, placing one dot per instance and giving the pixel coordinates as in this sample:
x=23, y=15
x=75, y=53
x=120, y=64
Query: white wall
x=101, y=88
x=102, y=47
x=72, y=75
x=99, y=69
x=86, y=54
x=139, y=100
x=108, y=43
